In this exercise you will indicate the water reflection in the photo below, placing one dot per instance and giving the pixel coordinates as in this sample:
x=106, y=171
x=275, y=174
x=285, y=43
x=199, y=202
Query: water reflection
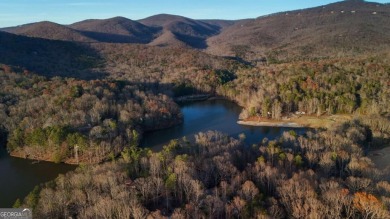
x=20, y=176
x=221, y=115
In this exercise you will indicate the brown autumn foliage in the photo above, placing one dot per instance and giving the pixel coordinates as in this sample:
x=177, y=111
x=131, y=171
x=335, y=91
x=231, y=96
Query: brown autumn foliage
x=58, y=118
x=369, y=205
x=322, y=174
x=220, y=177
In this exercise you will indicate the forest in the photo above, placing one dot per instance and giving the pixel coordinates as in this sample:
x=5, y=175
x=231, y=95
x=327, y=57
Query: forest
x=90, y=105
x=317, y=86
x=54, y=119
x=323, y=174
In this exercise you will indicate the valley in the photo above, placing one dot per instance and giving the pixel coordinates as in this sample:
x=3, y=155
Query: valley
x=173, y=117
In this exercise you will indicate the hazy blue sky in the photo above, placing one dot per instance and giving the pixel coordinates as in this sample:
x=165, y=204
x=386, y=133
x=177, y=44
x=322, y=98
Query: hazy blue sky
x=15, y=12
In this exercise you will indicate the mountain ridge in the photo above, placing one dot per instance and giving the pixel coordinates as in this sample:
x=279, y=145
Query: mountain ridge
x=346, y=27
x=319, y=31
x=49, y=57
x=192, y=32
x=48, y=30
x=116, y=30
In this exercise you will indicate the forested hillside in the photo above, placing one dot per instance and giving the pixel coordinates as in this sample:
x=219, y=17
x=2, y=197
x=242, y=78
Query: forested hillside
x=321, y=175
x=49, y=30
x=49, y=57
x=87, y=95
x=331, y=86
x=53, y=119
x=116, y=30
x=340, y=29
x=160, y=66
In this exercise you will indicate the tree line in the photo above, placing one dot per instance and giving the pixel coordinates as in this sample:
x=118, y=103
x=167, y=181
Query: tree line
x=322, y=174
x=49, y=118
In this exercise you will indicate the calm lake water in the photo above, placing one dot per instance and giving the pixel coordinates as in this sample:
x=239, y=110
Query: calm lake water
x=19, y=176
x=220, y=115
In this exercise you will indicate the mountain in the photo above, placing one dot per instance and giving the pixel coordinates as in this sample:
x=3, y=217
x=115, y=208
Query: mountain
x=167, y=38
x=219, y=23
x=347, y=27
x=192, y=32
x=116, y=30
x=49, y=57
x=344, y=28
x=48, y=30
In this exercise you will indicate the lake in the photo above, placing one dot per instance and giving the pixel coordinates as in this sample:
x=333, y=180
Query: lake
x=220, y=115
x=20, y=176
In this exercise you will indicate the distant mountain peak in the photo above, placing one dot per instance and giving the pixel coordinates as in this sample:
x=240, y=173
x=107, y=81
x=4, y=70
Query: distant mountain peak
x=349, y=22
x=48, y=30
x=343, y=27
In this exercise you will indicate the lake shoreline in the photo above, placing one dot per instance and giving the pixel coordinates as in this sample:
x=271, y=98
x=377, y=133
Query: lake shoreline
x=22, y=175
x=190, y=98
x=270, y=124
x=21, y=154
x=24, y=153
x=303, y=121
x=201, y=97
